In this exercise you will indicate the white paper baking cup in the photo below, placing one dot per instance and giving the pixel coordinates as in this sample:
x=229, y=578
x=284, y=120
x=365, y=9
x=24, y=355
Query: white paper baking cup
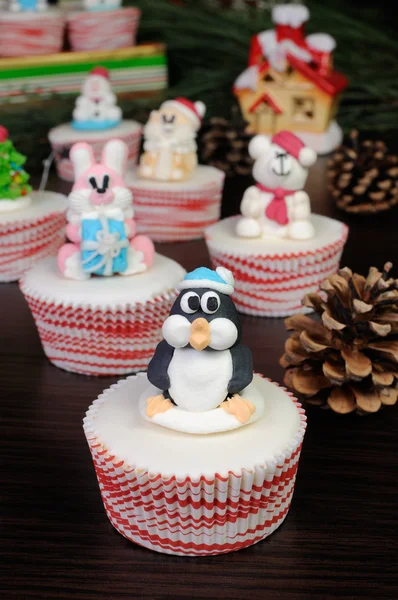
x=64, y=136
x=29, y=33
x=207, y=514
x=97, y=327
x=32, y=233
x=103, y=30
x=175, y=212
x=272, y=276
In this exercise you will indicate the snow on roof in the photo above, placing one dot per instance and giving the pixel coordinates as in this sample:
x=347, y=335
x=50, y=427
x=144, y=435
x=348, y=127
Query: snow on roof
x=323, y=42
x=290, y=14
x=247, y=79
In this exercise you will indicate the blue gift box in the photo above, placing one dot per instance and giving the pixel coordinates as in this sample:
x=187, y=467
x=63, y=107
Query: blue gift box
x=104, y=246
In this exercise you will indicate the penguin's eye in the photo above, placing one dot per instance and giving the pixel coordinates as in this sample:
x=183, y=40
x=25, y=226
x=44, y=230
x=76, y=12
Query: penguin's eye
x=210, y=302
x=190, y=303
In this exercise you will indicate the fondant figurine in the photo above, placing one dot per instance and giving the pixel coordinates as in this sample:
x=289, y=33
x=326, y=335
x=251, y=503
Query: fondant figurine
x=100, y=213
x=94, y=5
x=201, y=364
x=170, y=146
x=28, y=5
x=14, y=187
x=277, y=205
x=96, y=108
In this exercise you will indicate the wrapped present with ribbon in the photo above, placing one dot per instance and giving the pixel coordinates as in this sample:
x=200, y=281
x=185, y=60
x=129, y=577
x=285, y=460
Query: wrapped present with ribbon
x=104, y=246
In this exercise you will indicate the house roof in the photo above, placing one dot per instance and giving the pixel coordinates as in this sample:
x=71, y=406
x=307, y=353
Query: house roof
x=332, y=83
x=268, y=100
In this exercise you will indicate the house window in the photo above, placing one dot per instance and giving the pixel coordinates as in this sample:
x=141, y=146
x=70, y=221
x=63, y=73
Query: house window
x=303, y=109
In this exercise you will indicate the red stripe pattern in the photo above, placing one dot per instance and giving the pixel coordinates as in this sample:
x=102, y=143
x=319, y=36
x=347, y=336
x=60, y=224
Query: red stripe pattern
x=31, y=36
x=274, y=285
x=175, y=215
x=24, y=242
x=103, y=30
x=93, y=341
x=210, y=515
x=64, y=165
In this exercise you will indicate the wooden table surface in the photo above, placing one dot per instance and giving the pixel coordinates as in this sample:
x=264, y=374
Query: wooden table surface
x=338, y=541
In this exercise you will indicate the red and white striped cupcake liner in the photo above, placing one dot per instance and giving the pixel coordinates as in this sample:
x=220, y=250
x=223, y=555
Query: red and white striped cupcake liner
x=93, y=341
x=28, y=34
x=64, y=165
x=24, y=242
x=171, y=214
x=273, y=285
x=103, y=30
x=209, y=515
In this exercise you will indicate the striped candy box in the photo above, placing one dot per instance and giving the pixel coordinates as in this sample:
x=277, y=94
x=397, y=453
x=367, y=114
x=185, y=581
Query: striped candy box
x=175, y=212
x=103, y=30
x=208, y=514
x=272, y=276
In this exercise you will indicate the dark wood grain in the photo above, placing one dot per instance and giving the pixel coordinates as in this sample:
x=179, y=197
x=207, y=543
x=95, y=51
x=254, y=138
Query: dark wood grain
x=338, y=541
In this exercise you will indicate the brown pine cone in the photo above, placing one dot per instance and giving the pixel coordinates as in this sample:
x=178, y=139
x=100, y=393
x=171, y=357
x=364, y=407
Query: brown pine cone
x=224, y=144
x=363, y=176
x=349, y=360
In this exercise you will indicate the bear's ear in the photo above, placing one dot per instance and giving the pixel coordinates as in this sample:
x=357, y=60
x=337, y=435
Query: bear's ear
x=114, y=156
x=82, y=158
x=258, y=145
x=307, y=157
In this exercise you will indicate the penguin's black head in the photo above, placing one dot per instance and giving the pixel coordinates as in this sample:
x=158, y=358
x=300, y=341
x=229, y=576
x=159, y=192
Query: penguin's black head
x=202, y=318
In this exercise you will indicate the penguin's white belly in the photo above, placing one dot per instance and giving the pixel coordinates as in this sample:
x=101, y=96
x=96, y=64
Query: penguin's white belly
x=199, y=380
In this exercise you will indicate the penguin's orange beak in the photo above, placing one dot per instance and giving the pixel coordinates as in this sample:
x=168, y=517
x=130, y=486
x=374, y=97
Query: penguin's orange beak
x=200, y=334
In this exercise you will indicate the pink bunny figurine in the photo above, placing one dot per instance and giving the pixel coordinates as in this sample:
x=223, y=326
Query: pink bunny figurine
x=100, y=224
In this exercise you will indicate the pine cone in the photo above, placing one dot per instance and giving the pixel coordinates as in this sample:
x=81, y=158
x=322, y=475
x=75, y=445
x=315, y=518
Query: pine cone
x=349, y=360
x=363, y=176
x=224, y=144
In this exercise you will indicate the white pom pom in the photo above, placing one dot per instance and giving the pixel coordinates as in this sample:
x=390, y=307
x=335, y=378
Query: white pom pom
x=200, y=108
x=226, y=274
x=258, y=145
x=307, y=157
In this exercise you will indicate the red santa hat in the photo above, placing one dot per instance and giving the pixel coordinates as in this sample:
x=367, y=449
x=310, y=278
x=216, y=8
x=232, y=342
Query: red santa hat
x=193, y=110
x=295, y=147
x=100, y=71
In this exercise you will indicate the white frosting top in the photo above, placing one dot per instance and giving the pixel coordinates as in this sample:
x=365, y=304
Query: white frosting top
x=118, y=426
x=290, y=14
x=42, y=204
x=65, y=134
x=202, y=175
x=223, y=236
x=46, y=281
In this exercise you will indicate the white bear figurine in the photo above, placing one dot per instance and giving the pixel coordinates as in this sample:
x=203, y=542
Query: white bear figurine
x=277, y=205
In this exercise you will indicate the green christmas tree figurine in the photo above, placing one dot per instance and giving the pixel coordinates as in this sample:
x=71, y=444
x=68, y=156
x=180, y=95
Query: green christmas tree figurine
x=13, y=179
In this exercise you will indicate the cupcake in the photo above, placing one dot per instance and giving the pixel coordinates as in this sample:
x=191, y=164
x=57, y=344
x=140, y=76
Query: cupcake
x=199, y=456
x=32, y=224
x=30, y=27
x=102, y=25
x=277, y=250
x=96, y=120
x=175, y=199
x=100, y=305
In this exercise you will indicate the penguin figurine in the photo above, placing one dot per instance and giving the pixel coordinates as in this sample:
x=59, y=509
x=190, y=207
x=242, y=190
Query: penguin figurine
x=201, y=364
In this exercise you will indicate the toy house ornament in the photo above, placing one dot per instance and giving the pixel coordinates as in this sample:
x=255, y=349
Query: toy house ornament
x=96, y=108
x=277, y=205
x=175, y=198
x=290, y=82
x=170, y=141
x=100, y=224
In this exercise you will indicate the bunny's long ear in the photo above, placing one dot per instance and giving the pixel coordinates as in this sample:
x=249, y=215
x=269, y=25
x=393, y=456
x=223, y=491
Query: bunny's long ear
x=114, y=156
x=82, y=158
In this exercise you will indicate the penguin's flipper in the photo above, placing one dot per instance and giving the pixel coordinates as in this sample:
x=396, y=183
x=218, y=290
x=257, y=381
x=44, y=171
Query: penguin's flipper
x=159, y=365
x=242, y=369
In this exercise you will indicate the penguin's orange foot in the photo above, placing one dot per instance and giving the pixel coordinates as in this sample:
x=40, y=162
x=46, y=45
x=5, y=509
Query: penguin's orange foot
x=156, y=405
x=240, y=408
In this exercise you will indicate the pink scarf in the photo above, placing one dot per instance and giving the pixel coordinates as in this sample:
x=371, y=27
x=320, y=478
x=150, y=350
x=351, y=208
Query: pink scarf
x=276, y=209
